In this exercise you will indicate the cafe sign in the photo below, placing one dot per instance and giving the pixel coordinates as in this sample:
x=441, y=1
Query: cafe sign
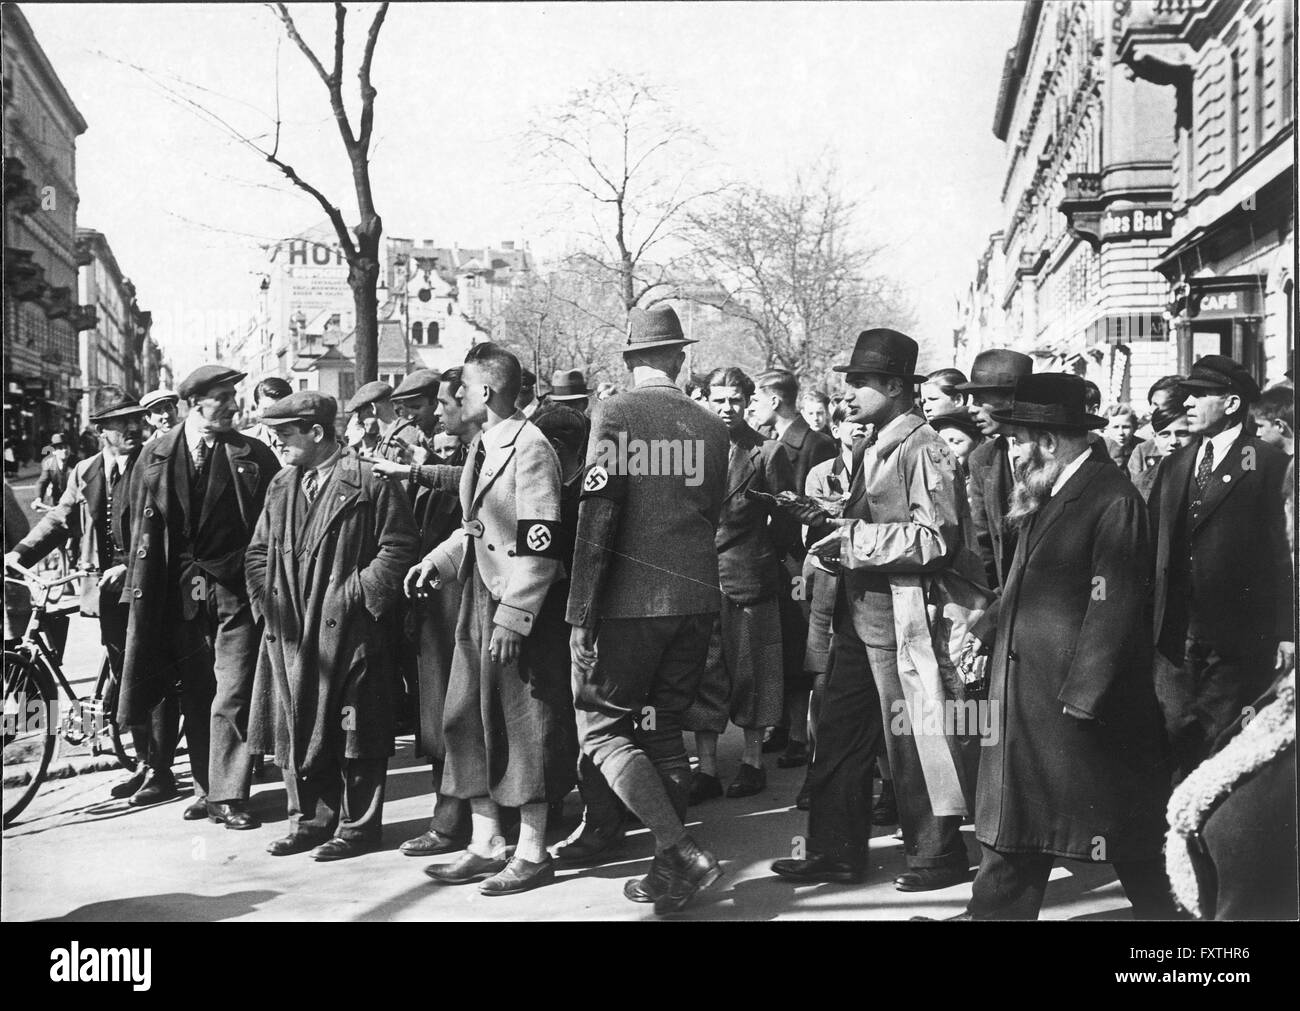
x=1136, y=223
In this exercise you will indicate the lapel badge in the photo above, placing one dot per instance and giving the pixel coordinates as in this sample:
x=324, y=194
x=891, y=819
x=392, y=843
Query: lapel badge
x=1227, y=478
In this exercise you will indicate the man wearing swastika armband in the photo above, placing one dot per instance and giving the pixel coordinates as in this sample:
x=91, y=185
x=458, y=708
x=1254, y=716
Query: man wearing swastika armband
x=504, y=721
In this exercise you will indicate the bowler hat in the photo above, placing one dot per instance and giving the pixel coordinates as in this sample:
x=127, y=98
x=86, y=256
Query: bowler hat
x=202, y=379
x=368, y=394
x=999, y=369
x=420, y=383
x=568, y=384
x=117, y=407
x=305, y=406
x=658, y=327
x=1055, y=400
x=155, y=398
x=884, y=352
x=961, y=419
x=1219, y=372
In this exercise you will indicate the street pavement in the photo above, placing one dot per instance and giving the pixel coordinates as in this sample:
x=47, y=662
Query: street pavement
x=77, y=855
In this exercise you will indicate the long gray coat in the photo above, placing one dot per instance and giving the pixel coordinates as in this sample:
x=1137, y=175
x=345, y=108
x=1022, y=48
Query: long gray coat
x=328, y=592
x=1071, y=629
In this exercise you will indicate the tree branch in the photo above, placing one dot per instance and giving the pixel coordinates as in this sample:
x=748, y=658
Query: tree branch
x=367, y=89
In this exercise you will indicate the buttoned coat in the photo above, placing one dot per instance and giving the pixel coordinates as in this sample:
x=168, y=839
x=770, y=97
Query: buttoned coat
x=251, y=465
x=806, y=449
x=327, y=582
x=1071, y=631
x=753, y=536
x=990, y=490
x=517, y=501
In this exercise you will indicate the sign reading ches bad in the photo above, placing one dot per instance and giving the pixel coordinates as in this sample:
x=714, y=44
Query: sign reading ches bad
x=1136, y=223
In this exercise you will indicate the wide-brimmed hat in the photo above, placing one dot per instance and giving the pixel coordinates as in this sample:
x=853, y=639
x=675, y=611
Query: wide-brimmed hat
x=884, y=352
x=658, y=327
x=1050, y=400
x=999, y=369
x=961, y=419
x=569, y=384
x=1219, y=372
x=118, y=407
x=202, y=379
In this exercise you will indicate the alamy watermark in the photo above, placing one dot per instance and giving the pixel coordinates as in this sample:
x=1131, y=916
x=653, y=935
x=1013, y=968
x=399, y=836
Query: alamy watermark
x=652, y=458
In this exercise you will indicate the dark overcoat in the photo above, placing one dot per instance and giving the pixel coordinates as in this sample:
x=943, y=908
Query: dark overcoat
x=753, y=535
x=990, y=488
x=806, y=449
x=327, y=587
x=1071, y=630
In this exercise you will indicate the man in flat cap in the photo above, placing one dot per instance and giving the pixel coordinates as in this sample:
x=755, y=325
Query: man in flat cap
x=644, y=592
x=992, y=383
x=1223, y=581
x=378, y=432
x=94, y=507
x=195, y=496
x=909, y=588
x=569, y=387
x=1075, y=766
x=160, y=407
x=324, y=570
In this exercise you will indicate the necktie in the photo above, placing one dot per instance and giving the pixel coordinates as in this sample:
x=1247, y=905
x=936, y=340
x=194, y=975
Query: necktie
x=201, y=460
x=479, y=457
x=1205, y=469
x=309, y=485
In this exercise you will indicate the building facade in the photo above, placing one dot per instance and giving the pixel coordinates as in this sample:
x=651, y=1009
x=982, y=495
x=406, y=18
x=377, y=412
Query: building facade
x=1229, y=68
x=42, y=314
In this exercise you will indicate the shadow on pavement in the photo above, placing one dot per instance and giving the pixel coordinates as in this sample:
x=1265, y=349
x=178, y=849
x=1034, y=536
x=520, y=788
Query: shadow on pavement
x=169, y=907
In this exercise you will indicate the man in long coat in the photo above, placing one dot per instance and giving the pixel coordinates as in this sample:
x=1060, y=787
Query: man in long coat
x=1079, y=768
x=325, y=569
x=195, y=496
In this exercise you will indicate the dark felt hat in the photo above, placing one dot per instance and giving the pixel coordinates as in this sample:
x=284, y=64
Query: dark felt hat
x=1219, y=372
x=961, y=419
x=202, y=379
x=1050, y=400
x=306, y=406
x=118, y=407
x=368, y=394
x=568, y=384
x=998, y=369
x=884, y=352
x=658, y=327
x=420, y=383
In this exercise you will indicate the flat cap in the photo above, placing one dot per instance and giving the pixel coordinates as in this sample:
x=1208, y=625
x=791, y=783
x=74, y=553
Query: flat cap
x=155, y=397
x=1219, y=372
x=306, y=406
x=205, y=377
x=368, y=394
x=420, y=383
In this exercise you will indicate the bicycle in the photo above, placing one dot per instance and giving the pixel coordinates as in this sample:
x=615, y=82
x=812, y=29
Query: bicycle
x=34, y=729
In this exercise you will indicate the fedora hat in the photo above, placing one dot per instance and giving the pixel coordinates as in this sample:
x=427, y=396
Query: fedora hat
x=117, y=407
x=568, y=384
x=999, y=369
x=1050, y=400
x=658, y=327
x=884, y=352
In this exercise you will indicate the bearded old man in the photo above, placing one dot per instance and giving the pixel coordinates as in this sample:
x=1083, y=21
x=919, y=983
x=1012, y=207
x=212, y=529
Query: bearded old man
x=1079, y=769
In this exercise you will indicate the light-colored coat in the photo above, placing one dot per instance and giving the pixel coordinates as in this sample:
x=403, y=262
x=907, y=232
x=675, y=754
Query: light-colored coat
x=518, y=489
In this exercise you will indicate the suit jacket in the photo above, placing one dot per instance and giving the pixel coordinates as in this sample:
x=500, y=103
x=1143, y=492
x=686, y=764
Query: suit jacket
x=990, y=494
x=752, y=536
x=511, y=523
x=81, y=513
x=646, y=531
x=1238, y=561
x=806, y=449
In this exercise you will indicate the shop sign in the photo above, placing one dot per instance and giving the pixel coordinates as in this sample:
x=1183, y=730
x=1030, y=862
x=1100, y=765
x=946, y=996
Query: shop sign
x=1136, y=223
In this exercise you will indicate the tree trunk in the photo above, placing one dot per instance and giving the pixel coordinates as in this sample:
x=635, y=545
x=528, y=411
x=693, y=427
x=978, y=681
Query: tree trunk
x=363, y=278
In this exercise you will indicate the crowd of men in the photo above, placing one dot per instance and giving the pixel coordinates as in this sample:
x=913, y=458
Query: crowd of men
x=973, y=594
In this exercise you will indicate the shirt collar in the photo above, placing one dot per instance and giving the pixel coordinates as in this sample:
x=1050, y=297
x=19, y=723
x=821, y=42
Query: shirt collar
x=1222, y=443
x=1071, y=469
x=194, y=433
x=325, y=468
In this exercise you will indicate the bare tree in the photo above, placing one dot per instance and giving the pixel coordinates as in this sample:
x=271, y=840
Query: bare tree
x=791, y=265
x=630, y=165
x=360, y=244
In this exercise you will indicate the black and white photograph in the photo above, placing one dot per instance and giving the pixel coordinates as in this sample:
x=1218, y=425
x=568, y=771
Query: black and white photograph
x=706, y=461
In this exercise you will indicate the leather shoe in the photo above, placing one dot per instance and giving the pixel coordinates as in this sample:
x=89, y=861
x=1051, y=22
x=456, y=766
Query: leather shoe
x=234, y=816
x=777, y=742
x=653, y=885
x=691, y=869
x=591, y=843
x=157, y=787
x=795, y=755
x=519, y=875
x=748, y=782
x=431, y=844
x=885, y=810
x=820, y=868
x=929, y=879
x=704, y=787
x=127, y=787
x=197, y=810
x=341, y=847
x=294, y=842
x=469, y=866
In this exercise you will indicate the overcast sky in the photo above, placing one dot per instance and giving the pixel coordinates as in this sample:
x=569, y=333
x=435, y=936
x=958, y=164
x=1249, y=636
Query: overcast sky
x=901, y=95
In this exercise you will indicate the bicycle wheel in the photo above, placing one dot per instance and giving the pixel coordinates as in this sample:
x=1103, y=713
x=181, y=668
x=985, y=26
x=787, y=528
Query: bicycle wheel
x=106, y=692
x=31, y=725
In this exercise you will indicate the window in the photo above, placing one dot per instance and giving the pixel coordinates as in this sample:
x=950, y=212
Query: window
x=302, y=384
x=433, y=334
x=417, y=333
x=1287, y=79
x=1257, y=98
x=1233, y=136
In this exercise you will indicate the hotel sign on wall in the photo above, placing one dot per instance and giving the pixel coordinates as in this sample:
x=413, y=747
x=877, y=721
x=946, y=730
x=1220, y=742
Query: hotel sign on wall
x=1136, y=223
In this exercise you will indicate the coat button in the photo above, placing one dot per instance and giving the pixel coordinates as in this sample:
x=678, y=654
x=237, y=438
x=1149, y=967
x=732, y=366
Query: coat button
x=510, y=552
x=274, y=592
x=137, y=593
x=330, y=622
x=148, y=510
x=270, y=638
x=491, y=547
x=141, y=553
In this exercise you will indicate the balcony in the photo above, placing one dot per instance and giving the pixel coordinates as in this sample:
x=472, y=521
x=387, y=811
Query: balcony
x=1160, y=37
x=1081, y=205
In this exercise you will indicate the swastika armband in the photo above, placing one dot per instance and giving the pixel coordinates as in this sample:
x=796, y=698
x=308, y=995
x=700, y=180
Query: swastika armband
x=598, y=482
x=538, y=537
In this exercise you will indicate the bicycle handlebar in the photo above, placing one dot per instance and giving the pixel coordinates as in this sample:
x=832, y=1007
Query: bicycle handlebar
x=30, y=577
